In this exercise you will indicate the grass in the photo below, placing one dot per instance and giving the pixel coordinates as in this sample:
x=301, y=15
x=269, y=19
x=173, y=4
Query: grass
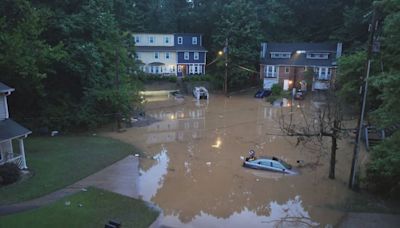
x=97, y=208
x=56, y=162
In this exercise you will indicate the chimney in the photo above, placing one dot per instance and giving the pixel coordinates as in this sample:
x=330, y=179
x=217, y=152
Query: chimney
x=263, y=50
x=338, y=50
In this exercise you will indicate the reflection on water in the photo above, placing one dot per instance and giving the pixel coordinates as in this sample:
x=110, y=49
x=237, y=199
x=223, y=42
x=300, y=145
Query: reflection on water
x=289, y=214
x=152, y=179
x=197, y=178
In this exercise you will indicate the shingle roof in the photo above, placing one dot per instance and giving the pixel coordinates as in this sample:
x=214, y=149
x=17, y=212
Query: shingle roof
x=300, y=59
x=9, y=129
x=4, y=88
x=169, y=48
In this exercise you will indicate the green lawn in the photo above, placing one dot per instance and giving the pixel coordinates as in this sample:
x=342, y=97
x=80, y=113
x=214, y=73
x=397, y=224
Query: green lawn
x=56, y=162
x=97, y=208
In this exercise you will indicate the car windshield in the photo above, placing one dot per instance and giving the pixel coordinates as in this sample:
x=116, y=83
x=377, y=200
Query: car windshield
x=286, y=165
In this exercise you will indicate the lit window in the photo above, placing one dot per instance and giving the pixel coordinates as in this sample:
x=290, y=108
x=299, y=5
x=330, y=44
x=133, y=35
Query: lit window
x=194, y=40
x=196, y=56
x=180, y=40
x=186, y=55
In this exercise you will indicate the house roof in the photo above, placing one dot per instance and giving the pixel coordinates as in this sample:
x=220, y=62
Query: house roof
x=9, y=129
x=299, y=59
x=4, y=88
x=169, y=48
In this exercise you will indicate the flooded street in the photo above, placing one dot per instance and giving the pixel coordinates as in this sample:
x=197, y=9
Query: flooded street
x=193, y=166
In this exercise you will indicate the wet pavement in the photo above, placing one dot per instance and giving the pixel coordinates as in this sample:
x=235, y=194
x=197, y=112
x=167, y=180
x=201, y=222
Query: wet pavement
x=193, y=166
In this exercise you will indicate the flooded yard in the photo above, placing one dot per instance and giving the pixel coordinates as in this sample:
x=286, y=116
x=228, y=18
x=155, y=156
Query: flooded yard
x=193, y=166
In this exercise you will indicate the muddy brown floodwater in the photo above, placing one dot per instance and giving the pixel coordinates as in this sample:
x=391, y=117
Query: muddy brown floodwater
x=193, y=170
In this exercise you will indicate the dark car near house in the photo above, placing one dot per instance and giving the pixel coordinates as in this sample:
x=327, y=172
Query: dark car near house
x=262, y=93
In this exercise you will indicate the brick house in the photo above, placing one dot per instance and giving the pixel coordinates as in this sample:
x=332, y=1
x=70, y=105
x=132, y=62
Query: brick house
x=293, y=65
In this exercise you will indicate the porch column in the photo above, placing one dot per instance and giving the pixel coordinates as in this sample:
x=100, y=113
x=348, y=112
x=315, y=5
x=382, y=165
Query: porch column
x=22, y=151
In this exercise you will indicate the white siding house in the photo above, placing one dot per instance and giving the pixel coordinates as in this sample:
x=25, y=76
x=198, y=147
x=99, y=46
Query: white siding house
x=9, y=131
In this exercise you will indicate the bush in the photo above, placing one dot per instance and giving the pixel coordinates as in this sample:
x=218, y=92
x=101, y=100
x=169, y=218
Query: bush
x=276, y=89
x=9, y=173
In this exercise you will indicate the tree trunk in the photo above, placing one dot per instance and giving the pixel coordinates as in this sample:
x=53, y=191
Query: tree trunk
x=333, y=150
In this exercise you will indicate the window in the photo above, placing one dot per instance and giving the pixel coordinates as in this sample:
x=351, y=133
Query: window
x=194, y=40
x=196, y=56
x=166, y=40
x=270, y=71
x=280, y=55
x=186, y=55
x=180, y=40
x=318, y=56
x=323, y=73
x=137, y=55
x=166, y=55
x=137, y=39
x=287, y=70
x=156, y=54
x=179, y=68
x=152, y=39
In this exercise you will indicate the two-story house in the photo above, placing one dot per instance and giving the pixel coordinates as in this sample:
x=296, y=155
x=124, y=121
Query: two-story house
x=289, y=64
x=170, y=54
x=9, y=131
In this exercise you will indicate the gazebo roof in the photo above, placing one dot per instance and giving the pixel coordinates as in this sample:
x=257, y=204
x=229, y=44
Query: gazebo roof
x=9, y=129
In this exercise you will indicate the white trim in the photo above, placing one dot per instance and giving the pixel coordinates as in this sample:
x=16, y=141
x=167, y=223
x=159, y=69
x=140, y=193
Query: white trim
x=270, y=71
x=186, y=55
x=22, y=151
x=166, y=40
x=194, y=40
x=156, y=55
x=196, y=55
x=180, y=40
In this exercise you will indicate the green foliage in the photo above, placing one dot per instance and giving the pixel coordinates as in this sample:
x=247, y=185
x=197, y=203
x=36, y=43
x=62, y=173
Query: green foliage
x=383, y=173
x=351, y=69
x=276, y=89
x=9, y=173
x=238, y=23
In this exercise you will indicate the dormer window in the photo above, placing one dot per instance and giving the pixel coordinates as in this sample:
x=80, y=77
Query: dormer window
x=137, y=39
x=281, y=55
x=314, y=55
x=194, y=40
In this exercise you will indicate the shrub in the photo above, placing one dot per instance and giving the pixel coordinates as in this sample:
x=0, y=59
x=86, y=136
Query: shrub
x=9, y=173
x=276, y=89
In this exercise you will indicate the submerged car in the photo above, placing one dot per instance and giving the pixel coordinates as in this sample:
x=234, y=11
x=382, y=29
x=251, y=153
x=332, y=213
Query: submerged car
x=269, y=163
x=262, y=93
x=200, y=92
x=299, y=95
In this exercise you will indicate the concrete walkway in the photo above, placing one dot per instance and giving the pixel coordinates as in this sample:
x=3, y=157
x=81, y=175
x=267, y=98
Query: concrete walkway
x=121, y=177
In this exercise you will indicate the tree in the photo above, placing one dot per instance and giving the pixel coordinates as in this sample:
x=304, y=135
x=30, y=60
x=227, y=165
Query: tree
x=238, y=24
x=314, y=124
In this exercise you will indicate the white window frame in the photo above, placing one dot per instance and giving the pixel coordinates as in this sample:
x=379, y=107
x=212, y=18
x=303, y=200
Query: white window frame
x=194, y=40
x=152, y=39
x=270, y=71
x=166, y=40
x=324, y=73
x=317, y=55
x=186, y=55
x=137, y=39
x=167, y=55
x=280, y=55
x=156, y=55
x=180, y=40
x=196, y=56
x=180, y=68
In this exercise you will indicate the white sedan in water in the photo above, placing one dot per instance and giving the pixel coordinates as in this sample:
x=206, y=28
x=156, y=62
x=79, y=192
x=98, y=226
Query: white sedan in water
x=200, y=92
x=269, y=163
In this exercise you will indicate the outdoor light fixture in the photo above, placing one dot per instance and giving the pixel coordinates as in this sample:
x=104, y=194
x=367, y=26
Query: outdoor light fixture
x=290, y=82
x=300, y=52
x=220, y=53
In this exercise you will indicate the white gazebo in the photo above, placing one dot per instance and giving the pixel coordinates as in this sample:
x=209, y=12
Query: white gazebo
x=9, y=131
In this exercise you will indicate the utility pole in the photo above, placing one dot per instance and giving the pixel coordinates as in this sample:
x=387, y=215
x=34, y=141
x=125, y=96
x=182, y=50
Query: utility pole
x=226, y=50
x=118, y=114
x=353, y=182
